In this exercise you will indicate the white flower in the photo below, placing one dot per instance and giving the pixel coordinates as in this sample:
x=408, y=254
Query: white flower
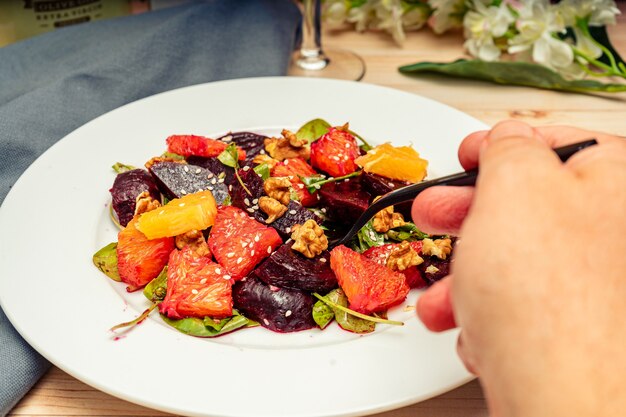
x=599, y=12
x=447, y=14
x=586, y=45
x=389, y=18
x=335, y=12
x=537, y=24
x=482, y=25
x=362, y=16
x=415, y=17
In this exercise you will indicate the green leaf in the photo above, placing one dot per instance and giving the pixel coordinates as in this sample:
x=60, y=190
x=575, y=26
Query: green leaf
x=513, y=73
x=263, y=171
x=207, y=327
x=230, y=156
x=313, y=130
x=315, y=182
x=367, y=237
x=172, y=155
x=600, y=34
x=119, y=167
x=106, y=261
x=406, y=232
x=157, y=288
x=323, y=314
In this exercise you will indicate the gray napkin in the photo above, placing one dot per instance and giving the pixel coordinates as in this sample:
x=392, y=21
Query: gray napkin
x=54, y=83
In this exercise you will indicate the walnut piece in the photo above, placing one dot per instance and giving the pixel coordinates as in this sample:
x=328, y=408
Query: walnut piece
x=144, y=202
x=195, y=240
x=309, y=239
x=265, y=159
x=403, y=257
x=156, y=159
x=431, y=269
x=279, y=188
x=387, y=219
x=289, y=146
x=272, y=207
x=440, y=248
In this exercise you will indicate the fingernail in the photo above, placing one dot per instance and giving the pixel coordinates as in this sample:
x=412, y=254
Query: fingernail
x=511, y=128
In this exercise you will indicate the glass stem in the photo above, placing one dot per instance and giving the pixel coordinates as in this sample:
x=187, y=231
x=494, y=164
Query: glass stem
x=311, y=55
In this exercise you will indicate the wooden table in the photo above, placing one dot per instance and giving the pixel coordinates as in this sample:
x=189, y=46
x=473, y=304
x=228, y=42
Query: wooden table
x=58, y=394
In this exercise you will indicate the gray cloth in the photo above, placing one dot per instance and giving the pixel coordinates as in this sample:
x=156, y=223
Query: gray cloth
x=54, y=83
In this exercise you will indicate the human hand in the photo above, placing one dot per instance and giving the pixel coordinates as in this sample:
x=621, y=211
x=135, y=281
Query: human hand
x=540, y=273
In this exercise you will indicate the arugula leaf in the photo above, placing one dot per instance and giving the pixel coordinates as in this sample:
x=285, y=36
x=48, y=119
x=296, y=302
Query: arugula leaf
x=367, y=238
x=106, y=261
x=119, y=167
x=313, y=130
x=263, y=171
x=513, y=73
x=315, y=182
x=156, y=289
x=230, y=156
x=406, y=232
x=172, y=155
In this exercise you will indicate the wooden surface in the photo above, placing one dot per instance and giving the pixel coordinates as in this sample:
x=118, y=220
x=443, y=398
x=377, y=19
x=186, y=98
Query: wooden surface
x=58, y=394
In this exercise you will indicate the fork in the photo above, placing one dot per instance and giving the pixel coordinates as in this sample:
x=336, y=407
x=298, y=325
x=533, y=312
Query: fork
x=409, y=192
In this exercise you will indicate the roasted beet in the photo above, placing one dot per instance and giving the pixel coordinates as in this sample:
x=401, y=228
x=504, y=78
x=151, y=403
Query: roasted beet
x=240, y=197
x=252, y=143
x=433, y=269
x=289, y=269
x=126, y=188
x=176, y=180
x=345, y=201
x=278, y=309
x=215, y=166
x=295, y=214
x=377, y=185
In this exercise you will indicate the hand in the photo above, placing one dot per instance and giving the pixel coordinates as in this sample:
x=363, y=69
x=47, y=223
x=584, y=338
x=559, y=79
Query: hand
x=539, y=276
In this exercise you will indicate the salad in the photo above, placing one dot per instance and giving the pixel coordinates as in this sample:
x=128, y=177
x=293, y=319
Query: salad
x=228, y=233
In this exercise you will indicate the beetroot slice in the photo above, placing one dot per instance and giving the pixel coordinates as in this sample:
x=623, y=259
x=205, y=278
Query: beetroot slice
x=252, y=143
x=248, y=202
x=344, y=201
x=278, y=309
x=289, y=269
x=296, y=214
x=126, y=187
x=215, y=166
x=176, y=180
x=377, y=185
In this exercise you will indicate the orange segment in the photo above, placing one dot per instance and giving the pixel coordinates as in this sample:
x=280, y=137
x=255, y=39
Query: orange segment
x=396, y=162
x=192, y=212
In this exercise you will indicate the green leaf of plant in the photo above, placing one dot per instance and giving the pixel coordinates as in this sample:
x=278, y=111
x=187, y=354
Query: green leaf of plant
x=263, y=171
x=106, y=261
x=315, y=182
x=207, y=327
x=513, y=73
x=600, y=34
x=119, y=167
x=230, y=156
x=344, y=319
x=406, y=232
x=313, y=130
x=172, y=155
x=157, y=288
x=323, y=314
x=367, y=237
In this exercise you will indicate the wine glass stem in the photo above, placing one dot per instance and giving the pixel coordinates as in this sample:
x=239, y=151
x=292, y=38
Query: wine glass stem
x=311, y=55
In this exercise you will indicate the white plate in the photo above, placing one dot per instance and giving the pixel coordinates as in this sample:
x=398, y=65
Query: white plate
x=55, y=218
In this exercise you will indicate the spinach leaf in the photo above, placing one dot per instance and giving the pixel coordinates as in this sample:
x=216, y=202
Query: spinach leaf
x=156, y=289
x=406, y=232
x=106, y=261
x=315, y=182
x=230, y=156
x=313, y=130
x=344, y=319
x=367, y=238
x=323, y=314
x=514, y=73
x=207, y=327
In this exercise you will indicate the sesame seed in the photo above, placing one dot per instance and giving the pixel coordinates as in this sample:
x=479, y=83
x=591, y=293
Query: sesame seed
x=292, y=211
x=301, y=186
x=198, y=170
x=256, y=238
x=181, y=205
x=210, y=188
x=322, y=260
x=391, y=184
x=323, y=210
x=227, y=277
x=348, y=145
x=286, y=162
x=262, y=152
x=230, y=254
x=220, y=181
x=288, y=313
x=256, y=200
x=210, y=175
x=203, y=281
x=255, y=207
x=183, y=192
x=250, y=210
x=218, y=271
x=230, y=187
x=252, y=253
x=267, y=323
x=246, y=201
x=246, y=168
x=227, y=138
x=194, y=291
x=244, y=244
x=317, y=186
x=336, y=158
x=288, y=230
x=239, y=260
x=162, y=211
x=269, y=249
x=214, y=181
